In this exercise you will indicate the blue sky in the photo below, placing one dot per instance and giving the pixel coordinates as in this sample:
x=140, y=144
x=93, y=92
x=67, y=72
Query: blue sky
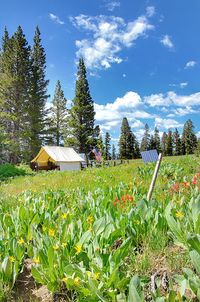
x=142, y=57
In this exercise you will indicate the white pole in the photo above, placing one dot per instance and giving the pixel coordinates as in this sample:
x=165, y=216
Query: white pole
x=154, y=177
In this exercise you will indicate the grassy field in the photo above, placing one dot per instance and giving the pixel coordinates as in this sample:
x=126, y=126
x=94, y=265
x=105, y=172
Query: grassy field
x=89, y=179
x=92, y=236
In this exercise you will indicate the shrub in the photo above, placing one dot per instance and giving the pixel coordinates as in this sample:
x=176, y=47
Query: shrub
x=8, y=170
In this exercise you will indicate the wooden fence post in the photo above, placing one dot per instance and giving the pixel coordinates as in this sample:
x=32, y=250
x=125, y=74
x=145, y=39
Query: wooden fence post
x=154, y=177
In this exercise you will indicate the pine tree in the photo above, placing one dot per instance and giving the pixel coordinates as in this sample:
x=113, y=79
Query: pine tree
x=189, y=139
x=152, y=143
x=136, y=149
x=157, y=140
x=126, y=141
x=113, y=152
x=5, y=40
x=169, y=144
x=100, y=144
x=164, y=143
x=146, y=139
x=81, y=121
x=38, y=95
x=14, y=93
x=197, y=150
x=4, y=109
x=107, y=155
x=97, y=138
x=58, y=113
x=177, y=142
x=128, y=144
x=3, y=145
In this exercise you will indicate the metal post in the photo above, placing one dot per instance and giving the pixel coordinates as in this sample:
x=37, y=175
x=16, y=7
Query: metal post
x=154, y=177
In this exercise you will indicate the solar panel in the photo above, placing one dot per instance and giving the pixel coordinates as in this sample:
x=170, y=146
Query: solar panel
x=149, y=156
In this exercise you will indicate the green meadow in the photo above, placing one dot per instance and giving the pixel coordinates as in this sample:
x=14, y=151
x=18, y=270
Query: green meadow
x=92, y=236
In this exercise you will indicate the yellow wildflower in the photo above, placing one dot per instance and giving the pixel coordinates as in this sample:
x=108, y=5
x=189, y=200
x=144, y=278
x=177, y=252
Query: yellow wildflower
x=64, y=279
x=12, y=259
x=56, y=247
x=78, y=249
x=21, y=241
x=179, y=214
x=64, y=216
x=77, y=281
x=137, y=222
x=36, y=260
x=64, y=244
x=90, y=219
x=96, y=276
x=51, y=232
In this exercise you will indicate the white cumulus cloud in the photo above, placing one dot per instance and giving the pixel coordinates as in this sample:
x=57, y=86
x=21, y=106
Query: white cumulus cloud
x=56, y=19
x=182, y=111
x=167, y=123
x=108, y=35
x=130, y=105
x=171, y=98
x=167, y=108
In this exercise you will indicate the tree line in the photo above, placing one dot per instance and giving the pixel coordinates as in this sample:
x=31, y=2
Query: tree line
x=26, y=124
x=170, y=143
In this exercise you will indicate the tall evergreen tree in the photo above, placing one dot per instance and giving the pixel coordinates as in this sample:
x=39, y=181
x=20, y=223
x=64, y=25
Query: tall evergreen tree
x=100, y=144
x=107, y=155
x=3, y=145
x=4, y=109
x=157, y=140
x=189, y=139
x=14, y=93
x=5, y=40
x=134, y=147
x=81, y=121
x=152, y=143
x=169, y=144
x=97, y=138
x=126, y=141
x=136, y=150
x=114, y=152
x=197, y=150
x=145, y=143
x=38, y=95
x=58, y=115
x=177, y=142
x=164, y=143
